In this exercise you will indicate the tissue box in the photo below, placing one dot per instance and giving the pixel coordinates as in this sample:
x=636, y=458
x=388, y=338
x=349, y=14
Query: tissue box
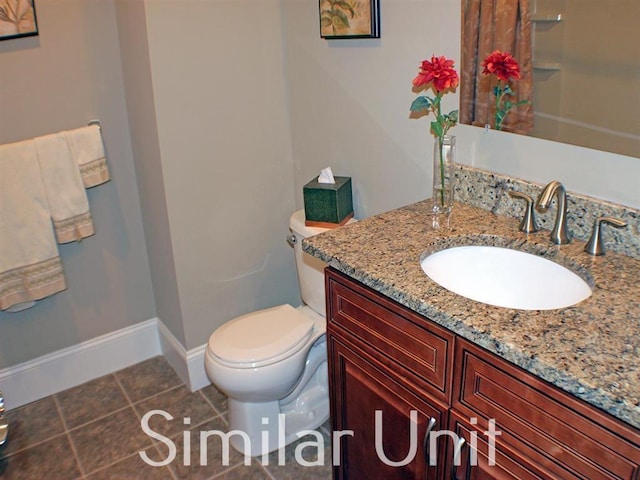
x=328, y=204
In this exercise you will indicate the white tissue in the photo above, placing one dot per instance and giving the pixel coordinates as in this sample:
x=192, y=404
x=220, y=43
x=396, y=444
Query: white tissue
x=326, y=176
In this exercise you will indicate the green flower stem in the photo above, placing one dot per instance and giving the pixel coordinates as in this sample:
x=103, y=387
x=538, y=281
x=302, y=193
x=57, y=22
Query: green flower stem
x=500, y=115
x=439, y=127
x=501, y=110
x=441, y=139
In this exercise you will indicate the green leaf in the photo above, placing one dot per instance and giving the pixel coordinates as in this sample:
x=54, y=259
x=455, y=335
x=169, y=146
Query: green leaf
x=437, y=129
x=325, y=22
x=421, y=103
x=344, y=5
x=340, y=18
x=453, y=115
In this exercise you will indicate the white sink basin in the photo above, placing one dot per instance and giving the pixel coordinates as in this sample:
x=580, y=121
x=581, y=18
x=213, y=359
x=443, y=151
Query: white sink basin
x=505, y=278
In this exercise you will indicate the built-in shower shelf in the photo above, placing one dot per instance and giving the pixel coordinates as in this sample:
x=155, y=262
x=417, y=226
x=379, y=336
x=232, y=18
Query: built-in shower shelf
x=547, y=66
x=547, y=18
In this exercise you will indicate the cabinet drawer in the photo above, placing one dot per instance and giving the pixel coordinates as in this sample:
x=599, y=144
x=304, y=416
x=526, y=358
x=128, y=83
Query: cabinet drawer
x=403, y=340
x=489, y=462
x=555, y=430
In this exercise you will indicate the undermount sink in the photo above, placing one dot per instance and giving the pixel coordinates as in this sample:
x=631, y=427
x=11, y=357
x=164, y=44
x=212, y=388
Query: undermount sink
x=505, y=278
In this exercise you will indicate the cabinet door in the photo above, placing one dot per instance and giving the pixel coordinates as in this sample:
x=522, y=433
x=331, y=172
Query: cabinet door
x=391, y=450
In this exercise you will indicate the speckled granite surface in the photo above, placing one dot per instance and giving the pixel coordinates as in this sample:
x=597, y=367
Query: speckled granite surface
x=488, y=190
x=591, y=350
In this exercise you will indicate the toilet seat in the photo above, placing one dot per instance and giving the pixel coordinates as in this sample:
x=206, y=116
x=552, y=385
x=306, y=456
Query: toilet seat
x=261, y=338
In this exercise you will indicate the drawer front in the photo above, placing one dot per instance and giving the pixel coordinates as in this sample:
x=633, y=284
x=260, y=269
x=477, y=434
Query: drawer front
x=561, y=433
x=481, y=460
x=403, y=340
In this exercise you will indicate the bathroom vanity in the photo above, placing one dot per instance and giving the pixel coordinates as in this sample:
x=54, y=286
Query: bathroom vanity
x=563, y=386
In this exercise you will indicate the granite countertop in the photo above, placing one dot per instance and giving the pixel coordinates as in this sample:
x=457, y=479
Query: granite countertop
x=591, y=350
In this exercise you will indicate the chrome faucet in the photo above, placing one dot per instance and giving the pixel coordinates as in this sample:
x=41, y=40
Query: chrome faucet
x=560, y=234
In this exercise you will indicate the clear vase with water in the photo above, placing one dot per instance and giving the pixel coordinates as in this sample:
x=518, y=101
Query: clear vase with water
x=443, y=179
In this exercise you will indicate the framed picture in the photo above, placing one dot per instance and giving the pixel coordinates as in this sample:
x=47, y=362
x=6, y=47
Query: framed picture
x=17, y=19
x=349, y=19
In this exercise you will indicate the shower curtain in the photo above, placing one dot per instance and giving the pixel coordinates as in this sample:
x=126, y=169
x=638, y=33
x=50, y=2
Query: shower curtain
x=489, y=25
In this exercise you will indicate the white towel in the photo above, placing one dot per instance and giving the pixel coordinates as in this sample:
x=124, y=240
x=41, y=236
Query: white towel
x=64, y=188
x=87, y=149
x=30, y=266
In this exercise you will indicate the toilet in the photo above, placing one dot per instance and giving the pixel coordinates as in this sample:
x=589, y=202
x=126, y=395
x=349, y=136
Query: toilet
x=272, y=364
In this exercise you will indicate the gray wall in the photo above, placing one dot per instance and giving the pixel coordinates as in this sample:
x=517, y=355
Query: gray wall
x=223, y=158
x=59, y=80
x=147, y=158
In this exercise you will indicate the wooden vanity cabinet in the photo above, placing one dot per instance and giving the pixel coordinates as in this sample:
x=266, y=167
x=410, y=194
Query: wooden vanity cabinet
x=392, y=362
x=385, y=357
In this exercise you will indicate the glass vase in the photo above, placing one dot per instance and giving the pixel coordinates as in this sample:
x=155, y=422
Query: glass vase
x=444, y=153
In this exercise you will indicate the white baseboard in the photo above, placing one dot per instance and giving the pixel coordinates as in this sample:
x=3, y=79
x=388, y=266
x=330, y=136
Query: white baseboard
x=80, y=363
x=189, y=365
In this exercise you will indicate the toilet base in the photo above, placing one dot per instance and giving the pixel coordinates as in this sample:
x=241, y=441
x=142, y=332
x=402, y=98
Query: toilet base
x=260, y=428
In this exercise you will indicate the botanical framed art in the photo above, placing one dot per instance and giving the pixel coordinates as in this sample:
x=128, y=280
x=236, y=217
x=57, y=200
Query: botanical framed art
x=349, y=19
x=17, y=19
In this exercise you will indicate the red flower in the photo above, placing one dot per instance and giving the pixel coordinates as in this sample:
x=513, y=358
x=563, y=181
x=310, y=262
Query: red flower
x=439, y=72
x=502, y=65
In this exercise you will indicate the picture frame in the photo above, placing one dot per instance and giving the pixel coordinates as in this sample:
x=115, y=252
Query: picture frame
x=344, y=19
x=17, y=19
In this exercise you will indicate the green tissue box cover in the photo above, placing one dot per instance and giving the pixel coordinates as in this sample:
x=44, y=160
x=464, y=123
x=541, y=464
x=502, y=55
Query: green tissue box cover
x=328, y=202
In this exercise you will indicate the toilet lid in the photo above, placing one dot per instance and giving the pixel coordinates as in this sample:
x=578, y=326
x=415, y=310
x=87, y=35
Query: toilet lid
x=261, y=335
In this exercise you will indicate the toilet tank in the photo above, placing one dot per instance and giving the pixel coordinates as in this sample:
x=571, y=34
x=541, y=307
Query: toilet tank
x=310, y=269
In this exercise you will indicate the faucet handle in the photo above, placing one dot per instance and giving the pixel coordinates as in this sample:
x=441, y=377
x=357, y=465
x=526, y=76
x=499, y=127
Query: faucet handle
x=595, y=245
x=528, y=224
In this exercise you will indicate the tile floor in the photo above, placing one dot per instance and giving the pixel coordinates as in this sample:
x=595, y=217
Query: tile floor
x=94, y=432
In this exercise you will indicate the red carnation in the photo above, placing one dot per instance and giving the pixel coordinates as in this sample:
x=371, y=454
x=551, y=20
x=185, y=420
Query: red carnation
x=502, y=65
x=439, y=72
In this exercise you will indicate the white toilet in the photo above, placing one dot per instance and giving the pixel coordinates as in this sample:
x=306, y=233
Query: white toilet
x=272, y=364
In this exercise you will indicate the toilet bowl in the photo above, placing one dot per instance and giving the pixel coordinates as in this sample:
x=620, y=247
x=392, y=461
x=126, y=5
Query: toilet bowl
x=272, y=364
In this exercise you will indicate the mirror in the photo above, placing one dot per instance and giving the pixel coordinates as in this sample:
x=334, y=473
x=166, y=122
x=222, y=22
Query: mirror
x=582, y=66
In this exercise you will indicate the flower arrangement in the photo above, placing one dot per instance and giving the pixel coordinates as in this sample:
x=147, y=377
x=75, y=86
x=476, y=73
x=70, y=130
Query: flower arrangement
x=439, y=75
x=505, y=68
